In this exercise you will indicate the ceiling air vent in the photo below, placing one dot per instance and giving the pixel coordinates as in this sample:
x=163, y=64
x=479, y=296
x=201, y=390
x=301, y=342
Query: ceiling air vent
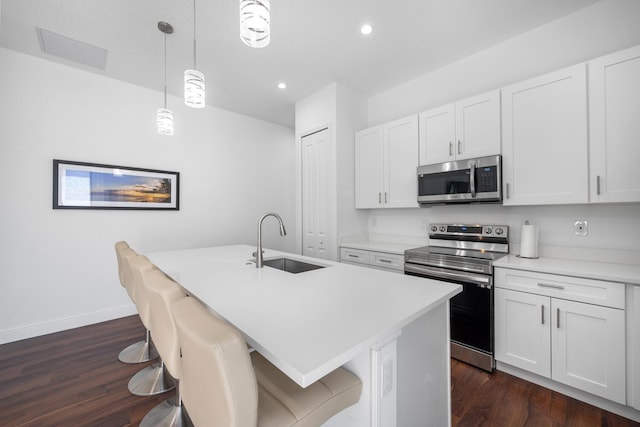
x=72, y=50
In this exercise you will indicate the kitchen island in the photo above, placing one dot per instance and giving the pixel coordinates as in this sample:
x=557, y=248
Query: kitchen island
x=391, y=330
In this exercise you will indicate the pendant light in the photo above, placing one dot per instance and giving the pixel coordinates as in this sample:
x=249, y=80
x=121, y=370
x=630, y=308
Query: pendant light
x=194, y=79
x=164, y=117
x=254, y=22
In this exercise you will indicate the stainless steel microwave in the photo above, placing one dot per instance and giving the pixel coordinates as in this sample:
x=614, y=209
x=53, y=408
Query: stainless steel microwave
x=461, y=181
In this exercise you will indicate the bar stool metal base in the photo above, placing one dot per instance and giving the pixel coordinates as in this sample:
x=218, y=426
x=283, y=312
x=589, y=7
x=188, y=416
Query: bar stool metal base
x=138, y=353
x=151, y=380
x=142, y=351
x=166, y=414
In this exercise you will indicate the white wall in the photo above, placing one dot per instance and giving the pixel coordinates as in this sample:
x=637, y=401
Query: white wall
x=602, y=28
x=611, y=227
x=351, y=117
x=58, y=267
x=344, y=111
x=605, y=27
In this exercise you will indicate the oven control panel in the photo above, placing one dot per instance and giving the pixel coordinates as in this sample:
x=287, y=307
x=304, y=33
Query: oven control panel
x=475, y=230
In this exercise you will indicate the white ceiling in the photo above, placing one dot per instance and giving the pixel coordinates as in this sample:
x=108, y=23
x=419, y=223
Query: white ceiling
x=314, y=42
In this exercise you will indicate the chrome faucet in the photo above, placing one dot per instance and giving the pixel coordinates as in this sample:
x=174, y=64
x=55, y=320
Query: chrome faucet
x=283, y=232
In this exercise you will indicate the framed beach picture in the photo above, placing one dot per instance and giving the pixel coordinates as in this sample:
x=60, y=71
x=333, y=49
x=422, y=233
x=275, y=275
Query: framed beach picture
x=78, y=185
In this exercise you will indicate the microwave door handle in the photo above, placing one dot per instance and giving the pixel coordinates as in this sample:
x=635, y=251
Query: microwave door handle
x=473, y=180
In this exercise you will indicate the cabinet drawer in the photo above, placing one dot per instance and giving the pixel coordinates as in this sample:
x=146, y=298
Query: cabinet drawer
x=390, y=261
x=591, y=291
x=354, y=255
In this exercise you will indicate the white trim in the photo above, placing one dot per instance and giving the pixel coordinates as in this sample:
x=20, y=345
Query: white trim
x=607, y=405
x=65, y=323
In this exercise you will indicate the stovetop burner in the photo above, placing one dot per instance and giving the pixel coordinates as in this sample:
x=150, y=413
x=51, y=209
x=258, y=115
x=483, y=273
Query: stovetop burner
x=462, y=247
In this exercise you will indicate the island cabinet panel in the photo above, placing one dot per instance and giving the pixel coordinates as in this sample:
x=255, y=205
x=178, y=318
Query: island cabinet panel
x=541, y=330
x=614, y=109
x=386, y=158
x=544, y=139
x=462, y=130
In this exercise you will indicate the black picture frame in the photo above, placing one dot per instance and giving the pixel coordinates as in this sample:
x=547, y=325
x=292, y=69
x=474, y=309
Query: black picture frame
x=80, y=185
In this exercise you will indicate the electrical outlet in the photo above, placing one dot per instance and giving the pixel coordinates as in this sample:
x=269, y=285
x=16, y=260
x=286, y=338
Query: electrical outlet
x=581, y=227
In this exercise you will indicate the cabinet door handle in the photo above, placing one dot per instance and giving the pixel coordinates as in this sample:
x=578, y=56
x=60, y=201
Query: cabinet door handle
x=550, y=285
x=379, y=197
x=386, y=197
x=598, y=184
x=459, y=152
x=450, y=148
x=558, y=317
x=507, y=189
x=542, y=309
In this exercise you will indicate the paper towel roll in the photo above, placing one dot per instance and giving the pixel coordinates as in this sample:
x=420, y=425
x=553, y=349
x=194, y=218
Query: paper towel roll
x=529, y=241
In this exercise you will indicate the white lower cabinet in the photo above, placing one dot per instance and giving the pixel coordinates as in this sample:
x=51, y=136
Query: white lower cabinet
x=576, y=343
x=633, y=345
x=373, y=259
x=522, y=333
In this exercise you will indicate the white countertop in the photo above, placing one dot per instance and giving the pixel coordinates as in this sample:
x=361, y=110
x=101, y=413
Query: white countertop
x=624, y=273
x=306, y=324
x=370, y=245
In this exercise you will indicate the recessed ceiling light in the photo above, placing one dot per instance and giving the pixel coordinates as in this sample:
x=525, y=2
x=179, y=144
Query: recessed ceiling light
x=366, y=29
x=282, y=85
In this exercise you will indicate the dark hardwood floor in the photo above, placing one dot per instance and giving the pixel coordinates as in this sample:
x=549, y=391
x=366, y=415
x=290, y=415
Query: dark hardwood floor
x=73, y=378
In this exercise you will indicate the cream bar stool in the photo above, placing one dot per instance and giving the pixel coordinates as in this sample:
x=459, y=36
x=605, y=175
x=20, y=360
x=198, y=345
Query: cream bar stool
x=142, y=351
x=221, y=387
x=162, y=292
x=152, y=379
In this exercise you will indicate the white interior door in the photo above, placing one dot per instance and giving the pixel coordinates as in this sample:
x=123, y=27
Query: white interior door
x=316, y=203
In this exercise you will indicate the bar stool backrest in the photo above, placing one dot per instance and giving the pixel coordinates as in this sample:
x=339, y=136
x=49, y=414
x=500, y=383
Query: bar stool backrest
x=138, y=266
x=218, y=382
x=162, y=292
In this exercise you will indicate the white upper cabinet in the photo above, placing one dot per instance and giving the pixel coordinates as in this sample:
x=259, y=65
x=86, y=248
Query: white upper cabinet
x=544, y=139
x=437, y=134
x=369, y=167
x=462, y=130
x=614, y=127
x=386, y=162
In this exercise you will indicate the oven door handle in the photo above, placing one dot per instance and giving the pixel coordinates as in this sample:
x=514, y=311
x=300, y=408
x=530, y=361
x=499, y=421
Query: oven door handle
x=476, y=279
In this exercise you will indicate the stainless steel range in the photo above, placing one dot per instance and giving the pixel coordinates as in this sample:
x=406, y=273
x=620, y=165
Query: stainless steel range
x=464, y=254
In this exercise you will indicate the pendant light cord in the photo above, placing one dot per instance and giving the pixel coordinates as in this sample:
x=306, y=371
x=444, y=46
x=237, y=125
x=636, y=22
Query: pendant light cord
x=165, y=71
x=194, y=35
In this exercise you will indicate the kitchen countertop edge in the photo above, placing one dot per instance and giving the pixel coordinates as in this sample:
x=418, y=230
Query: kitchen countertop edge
x=622, y=273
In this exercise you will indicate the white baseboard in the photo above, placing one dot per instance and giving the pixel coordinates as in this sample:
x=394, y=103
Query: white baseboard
x=607, y=405
x=57, y=325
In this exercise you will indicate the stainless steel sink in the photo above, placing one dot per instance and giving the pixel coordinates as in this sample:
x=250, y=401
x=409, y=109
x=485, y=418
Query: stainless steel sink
x=291, y=265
